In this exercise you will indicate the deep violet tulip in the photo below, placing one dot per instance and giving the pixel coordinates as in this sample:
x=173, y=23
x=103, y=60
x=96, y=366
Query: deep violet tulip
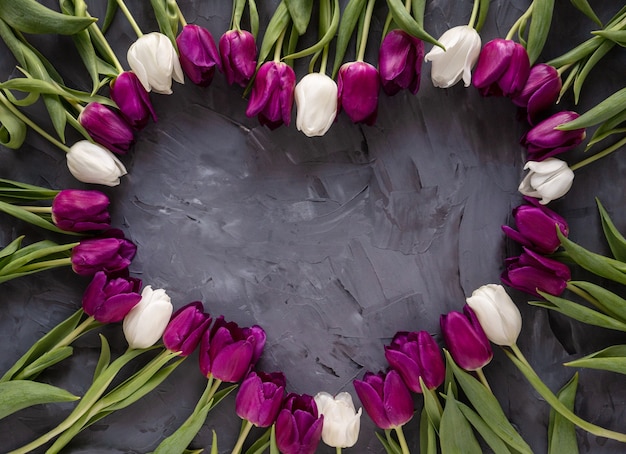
x=238, y=54
x=544, y=141
x=466, y=340
x=110, y=252
x=272, y=94
x=185, y=329
x=198, y=54
x=502, y=68
x=536, y=227
x=358, y=84
x=400, y=62
x=109, y=298
x=76, y=210
x=107, y=127
x=132, y=99
x=386, y=398
x=541, y=90
x=415, y=355
x=298, y=426
x=530, y=272
x=260, y=397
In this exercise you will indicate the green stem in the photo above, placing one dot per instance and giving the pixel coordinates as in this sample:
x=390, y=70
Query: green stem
x=35, y=209
x=474, y=15
x=324, y=61
x=338, y=449
x=407, y=5
x=599, y=155
x=483, y=379
x=181, y=18
x=77, y=332
x=433, y=392
x=518, y=23
x=366, y=29
x=130, y=18
x=402, y=440
x=580, y=292
x=46, y=264
x=563, y=68
x=245, y=430
x=107, y=47
x=279, y=46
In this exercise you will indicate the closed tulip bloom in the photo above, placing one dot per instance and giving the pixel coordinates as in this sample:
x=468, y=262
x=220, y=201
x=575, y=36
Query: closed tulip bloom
x=316, y=101
x=260, y=397
x=530, y=272
x=155, y=62
x=238, y=54
x=342, y=422
x=198, y=54
x=109, y=298
x=146, y=322
x=462, y=45
x=541, y=90
x=497, y=314
x=544, y=141
x=272, y=94
x=110, y=253
x=547, y=180
x=415, y=355
x=386, y=399
x=298, y=426
x=536, y=227
x=400, y=62
x=466, y=340
x=107, y=127
x=76, y=210
x=358, y=84
x=185, y=329
x=502, y=68
x=92, y=163
x=132, y=99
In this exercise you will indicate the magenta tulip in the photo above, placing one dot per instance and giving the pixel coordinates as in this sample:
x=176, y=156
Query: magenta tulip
x=466, y=340
x=531, y=272
x=541, y=91
x=298, y=426
x=107, y=127
x=260, y=397
x=198, y=54
x=386, y=399
x=272, y=94
x=132, y=99
x=109, y=298
x=185, y=329
x=238, y=54
x=400, y=62
x=76, y=210
x=544, y=141
x=502, y=68
x=109, y=253
x=358, y=84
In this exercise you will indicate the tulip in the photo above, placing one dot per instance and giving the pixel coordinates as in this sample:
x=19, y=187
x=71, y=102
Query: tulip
x=386, y=399
x=110, y=253
x=238, y=55
x=198, y=54
x=547, y=180
x=91, y=163
x=416, y=355
x=544, y=141
x=75, y=210
x=228, y=352
x=146, y=322
x=466, y=339
x=400, y=62
x=298, y=426
x=358, y=84
x=107, y=127
x=502, y=68
x=109, y=298
x=540, y=91
x=155, y=62
x=316, y=101
x=462, y=45
x=536, y=227
x=132, y=99
x=272, y=94
x=185, y=329
x=497, y=314
x=260, y=397
x=530, y=272
x=341, y=420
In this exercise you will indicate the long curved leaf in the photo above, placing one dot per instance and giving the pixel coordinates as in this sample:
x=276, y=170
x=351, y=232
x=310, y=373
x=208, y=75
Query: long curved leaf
x=349, y=19
x=18, y=394
x=12, y=129
x=539, y=28
x=561, y=432
x=330, y=34
x=612, y=358
x=300, y=12
x=30, y=16
x=584, y=7
x=406, y=22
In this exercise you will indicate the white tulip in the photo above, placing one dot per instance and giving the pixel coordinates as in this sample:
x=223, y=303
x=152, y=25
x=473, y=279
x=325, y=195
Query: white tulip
x=462, y=45
x=92, y=163
x=341, y=421
x=547, y=180
x=497, y=313
x=146, y=322
x=316, y=103
x=155, y=62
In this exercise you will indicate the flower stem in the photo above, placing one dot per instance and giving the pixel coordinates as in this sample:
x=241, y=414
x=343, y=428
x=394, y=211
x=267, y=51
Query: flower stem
x=474, y=15
x=599, y=155
x=580, y=292
x=279, y=45
x=518, y=23
x=245, y=430
x=130, y=18
x=366, y=29
x=46, y=264
x=483, y=379
x=179, y=13
x=402, y=440
x=35, y=209
x=338, y=449
x=106, y=47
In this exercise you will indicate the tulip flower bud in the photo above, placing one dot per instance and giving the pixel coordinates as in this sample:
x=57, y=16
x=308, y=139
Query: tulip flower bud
x=298, y=426
x=341, y=420
x=541, y=90
x=91, y=163
x=145, y=322
x=416, y=355
x=502, y=68
x=272, y=94
x=260, y=397
x=400, y=62
x=109, y=298
x=462, y=45
x=185, y=329
x=198, y=54
x=107, y=127
x=358, y=84
x=530, y=272
x=316, y=101
x=155, y=62
x=132, y=99
x=75, y=210
x=238, y=55
x=544, y=141
x=110, y=253
x=466, y=339
x=547, y=180
x=497, y=314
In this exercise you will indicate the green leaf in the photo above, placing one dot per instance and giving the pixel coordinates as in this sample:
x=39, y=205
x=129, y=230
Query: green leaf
x=483, y=8
x=163, y=19
x=578, y=53
x=406, y=22
x=584, y=7
x=606, y=301
x=221, y=394
x=617, y=36
x=181, y=438
x=276, y=27
x=261, y=444
x=104, y=359
x=12, y=129
x=109, y=15
x=300, y=12
x=608, y=108
x=30, y=16
x=490, y=437
x=348, y=22
x=428, y=435
x=254, y=18
x=214, y=443
x=561, y=432
x=327, y=38
x=32, y=218
x=18, y=394
x=273, y=447
x=612, y=358
x=432, y=406
x=539, y=28
x=20, y=260
x=614, y=238
x=44, y=361
x=456, y=434
x=600, y=52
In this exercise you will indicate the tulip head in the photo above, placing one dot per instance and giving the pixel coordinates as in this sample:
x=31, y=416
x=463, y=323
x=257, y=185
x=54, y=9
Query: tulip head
x=415, y=355
x=544, y=141
x=502, y=68
x=316, y=102
x=540, y=91
x=92, y=163
x=497, y=314
x=132, y=99
x=145, y=322
x=298, y=426
x=530, y=272
x=198, y=54
x=109, y=253
x=260, y=397
x=75, y=210
x=272, y=94
x=342, y=422
x=155, y=62
x=400, y=62
x=109, y=298
x=462, y=45
x=466, y=339
x=358, y=84
x=238, y=54
x=185, y=329
x=547, y=180
x=107, y=127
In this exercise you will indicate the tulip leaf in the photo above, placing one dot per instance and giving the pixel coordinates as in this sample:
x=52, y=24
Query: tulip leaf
x=276, y=27
x=612, y=359
x=12, y=129
x=561, y=432
x=606, y=301
x=616, y=240
x=483, y=9
x=348, y=22
x=109, y=15
x=18, y=394
x=417, y=11
x=163, y=19
x=617, y=36
x=597, y=55
x=32, y=218
x=30, y=16
x=431, y=405
x=490, y=437
x=273, y=446
x=300, y=12
x=327, y=38
x=28, y=100
x=539, y=28
x=578, y=53
x=406, y=22
x=606, y=109
x=254, y=18
x=584, y=7
x=104, y=359
x=261, y=444
x=20, y=260
x=44, y=361
x=455, y=433
x=12, y=191
x=428, y=435
x=391, y=447
x=11, y=248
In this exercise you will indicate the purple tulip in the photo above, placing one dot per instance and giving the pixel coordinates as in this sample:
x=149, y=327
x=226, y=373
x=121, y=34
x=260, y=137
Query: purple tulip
x=544, y=141
x=502, y=68
x=107, y=127
x=198, y=54
x=132, y=99
x=185, y=329
x=416, y=355
x=272, y=94
x=298, y=426
x=238, y=54
x=386, y=399
x=110, y=253
x=540, y=91
x=358, y=84
x=75, y=210
x=536, y=227
x=109, y=298
x=531, y=272
x=228, y=352
x=260, y=397
x=466, y=340
x=400, y=62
